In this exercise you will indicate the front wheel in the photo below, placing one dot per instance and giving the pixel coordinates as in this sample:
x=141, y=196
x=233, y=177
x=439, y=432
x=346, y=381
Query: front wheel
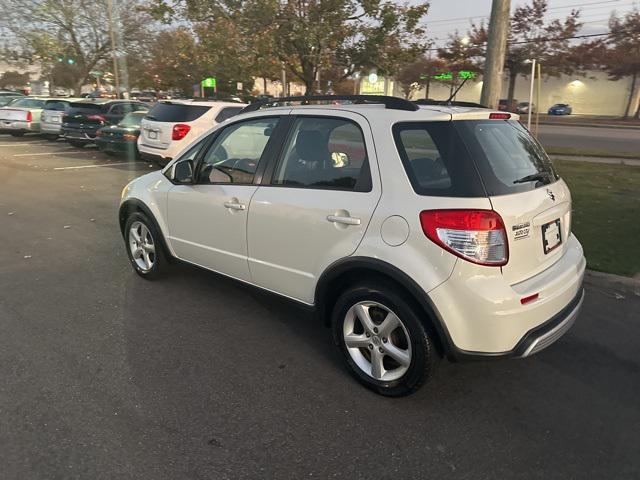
x=382, y=339
x=144, y=249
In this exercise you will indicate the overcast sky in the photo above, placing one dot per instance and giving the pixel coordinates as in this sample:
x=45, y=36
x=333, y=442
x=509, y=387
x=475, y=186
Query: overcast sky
x=445, y=16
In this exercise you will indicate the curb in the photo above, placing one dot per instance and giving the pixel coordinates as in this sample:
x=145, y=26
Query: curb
x=630, y=162
x=592, y=125
x=627, y=285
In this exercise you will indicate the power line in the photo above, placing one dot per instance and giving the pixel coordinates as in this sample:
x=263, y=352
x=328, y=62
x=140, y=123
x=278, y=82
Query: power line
x=538, y=40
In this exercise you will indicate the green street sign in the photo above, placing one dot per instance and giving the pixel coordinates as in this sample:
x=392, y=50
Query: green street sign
x=209, y=82
x=466, y=74
x=443, y=76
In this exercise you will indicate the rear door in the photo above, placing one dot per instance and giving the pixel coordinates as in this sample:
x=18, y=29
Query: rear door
x=322, y=194
x=524, y=189
x=157, y=126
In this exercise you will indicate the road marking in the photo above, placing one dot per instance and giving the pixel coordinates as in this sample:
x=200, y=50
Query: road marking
x=93, y=166
x=24, y=144
x=64, y=152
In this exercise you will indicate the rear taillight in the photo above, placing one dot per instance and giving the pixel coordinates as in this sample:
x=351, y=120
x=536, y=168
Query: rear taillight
x=97, y=118
x=499, y=116
x=130, y=137
x=180, y=131
x=29, y=117
x=478, y=236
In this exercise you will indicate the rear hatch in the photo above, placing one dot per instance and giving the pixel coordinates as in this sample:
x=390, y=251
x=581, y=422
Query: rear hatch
x=19, y=110
x=84, y=116
x=157, y=126
x=53, y=111
x=524, y=189
x=487, y=155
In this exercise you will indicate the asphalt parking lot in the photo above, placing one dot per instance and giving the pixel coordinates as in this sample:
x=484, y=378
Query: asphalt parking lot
x=105, y=375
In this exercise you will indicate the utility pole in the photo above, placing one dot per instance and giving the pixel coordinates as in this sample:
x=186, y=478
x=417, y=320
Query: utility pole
x=113, y=47
x=496, y=50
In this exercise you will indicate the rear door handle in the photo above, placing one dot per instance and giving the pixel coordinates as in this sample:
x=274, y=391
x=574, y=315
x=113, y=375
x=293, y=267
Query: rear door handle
x=343, y=220
x=235, y=206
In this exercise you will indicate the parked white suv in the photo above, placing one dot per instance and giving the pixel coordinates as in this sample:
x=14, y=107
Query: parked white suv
x=414, y=231
x=171, y=125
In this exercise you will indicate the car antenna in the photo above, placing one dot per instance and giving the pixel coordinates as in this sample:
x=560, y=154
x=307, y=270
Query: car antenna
x=448, y=101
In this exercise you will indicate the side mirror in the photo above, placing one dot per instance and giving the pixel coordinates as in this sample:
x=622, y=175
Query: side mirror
x=182, y=172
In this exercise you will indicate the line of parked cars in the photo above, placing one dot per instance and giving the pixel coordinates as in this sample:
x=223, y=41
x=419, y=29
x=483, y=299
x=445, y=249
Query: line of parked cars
x=128, y=127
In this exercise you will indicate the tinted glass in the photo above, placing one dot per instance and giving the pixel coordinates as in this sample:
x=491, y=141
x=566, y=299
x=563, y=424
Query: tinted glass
x=176, y=112
x=132, y=120
x=56, y=105
x=227, y=113
x=324, y=153
x=234, y=156
x=28, y=103
x=436, y=161
x=505, y=154
x=86, y=108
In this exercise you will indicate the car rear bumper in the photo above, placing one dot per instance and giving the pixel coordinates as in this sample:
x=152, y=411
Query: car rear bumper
x=14, y=126
x=116, y=146
x=80, y=134
x=483, y=316
x=153, y=156
x=50, y=128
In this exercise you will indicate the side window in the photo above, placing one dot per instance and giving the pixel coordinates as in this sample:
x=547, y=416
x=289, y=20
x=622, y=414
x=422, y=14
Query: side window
x=117, y=110
x=324, y=153
x=226, y=113
x=234, y=156
x=424, y=159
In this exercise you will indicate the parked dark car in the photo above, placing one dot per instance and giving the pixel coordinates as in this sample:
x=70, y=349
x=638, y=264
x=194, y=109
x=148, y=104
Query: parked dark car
x=121, y=138
x=86, y=117
x=560, y=109
x=506, y=106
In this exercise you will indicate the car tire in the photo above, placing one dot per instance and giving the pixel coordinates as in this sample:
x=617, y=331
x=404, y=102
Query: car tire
x=409, y=341
x=18, y=134
x=144, y=250
x=77, y=144
x=51, y=137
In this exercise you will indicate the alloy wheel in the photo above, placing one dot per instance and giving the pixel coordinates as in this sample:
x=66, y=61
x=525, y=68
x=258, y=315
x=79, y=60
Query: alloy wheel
x=377, y=341
x=142, y=246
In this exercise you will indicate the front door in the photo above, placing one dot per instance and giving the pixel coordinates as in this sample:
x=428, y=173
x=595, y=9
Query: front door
x=208, y=220
x=322, y=194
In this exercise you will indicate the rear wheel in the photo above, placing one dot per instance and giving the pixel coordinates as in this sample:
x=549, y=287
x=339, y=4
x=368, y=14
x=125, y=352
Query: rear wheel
x=144, y=249
x=51, y=137
x=384, y=343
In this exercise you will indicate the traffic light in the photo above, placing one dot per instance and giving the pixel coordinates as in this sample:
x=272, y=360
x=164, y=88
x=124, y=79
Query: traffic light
x=71, y=61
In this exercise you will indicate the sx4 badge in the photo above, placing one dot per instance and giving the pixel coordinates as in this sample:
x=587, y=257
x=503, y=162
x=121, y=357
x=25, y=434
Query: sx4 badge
x=521, y=230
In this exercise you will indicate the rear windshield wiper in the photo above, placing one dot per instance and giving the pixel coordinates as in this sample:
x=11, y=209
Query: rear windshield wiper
x=535, y=177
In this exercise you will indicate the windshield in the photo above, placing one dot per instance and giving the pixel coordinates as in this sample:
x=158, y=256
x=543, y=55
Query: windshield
x=28, y=103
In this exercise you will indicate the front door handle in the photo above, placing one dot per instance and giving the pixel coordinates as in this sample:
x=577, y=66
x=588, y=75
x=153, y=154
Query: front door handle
x=235, y=206
x=343, y=220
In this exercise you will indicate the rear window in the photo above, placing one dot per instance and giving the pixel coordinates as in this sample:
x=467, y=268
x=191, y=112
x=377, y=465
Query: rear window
x=176, y=112
x=86, y=107
x=228, y=112
x=28, y=103
x=506, y=154
x=471, y=158
x=56, y=105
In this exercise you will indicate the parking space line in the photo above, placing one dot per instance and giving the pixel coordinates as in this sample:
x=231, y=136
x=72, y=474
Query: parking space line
x=92, y=166
x=63, y=152
x=24, y=144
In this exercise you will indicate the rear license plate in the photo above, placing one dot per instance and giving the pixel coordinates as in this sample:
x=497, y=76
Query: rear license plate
x=551, y=235
x=152, y=135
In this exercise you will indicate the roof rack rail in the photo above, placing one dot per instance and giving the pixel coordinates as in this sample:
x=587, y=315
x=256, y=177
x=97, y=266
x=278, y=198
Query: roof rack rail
x=446, y=103
x=393, y=103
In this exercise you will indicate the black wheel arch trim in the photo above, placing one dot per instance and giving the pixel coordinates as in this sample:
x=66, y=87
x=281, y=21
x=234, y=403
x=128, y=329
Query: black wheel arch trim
x=344, y=265
x=140, y=206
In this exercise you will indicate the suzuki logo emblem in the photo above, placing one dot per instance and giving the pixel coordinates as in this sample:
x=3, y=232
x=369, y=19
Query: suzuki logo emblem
x=551, y=195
